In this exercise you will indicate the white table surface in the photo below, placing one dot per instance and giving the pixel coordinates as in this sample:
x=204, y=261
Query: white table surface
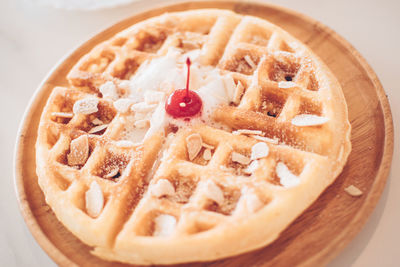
x=34, y=38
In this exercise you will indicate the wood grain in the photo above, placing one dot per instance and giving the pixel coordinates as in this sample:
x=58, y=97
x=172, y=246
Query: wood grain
x=324, y=229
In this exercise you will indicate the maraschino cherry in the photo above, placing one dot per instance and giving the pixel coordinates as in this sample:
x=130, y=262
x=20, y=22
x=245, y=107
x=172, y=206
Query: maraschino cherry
x=184, y=102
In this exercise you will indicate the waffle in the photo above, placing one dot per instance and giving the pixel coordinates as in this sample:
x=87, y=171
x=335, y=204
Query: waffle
x=145, y=190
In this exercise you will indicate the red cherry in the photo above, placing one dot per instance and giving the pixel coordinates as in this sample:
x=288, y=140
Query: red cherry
x=184, y=102
x=179, y=104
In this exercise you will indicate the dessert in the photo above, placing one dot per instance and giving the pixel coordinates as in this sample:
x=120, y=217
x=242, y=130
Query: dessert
x=146, y=185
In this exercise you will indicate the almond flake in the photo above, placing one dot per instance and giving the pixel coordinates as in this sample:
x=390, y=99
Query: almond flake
x=239, y=158
x=239, y=90
x=287, y=178
x=353, y=191
x=109, y=90
x=230, y=86
x=207, y=154
x=97, y=121
x=193, y=144
x=208, y=146
x=153, y=97
x=143, y=107
x=213, y=192
x=286, y=84
x=251, y=200
x=163, y=187
x=253, y=203
x=98, y=128
x=124, y=143
x=253, y=166
x=94, y=200
x=259, y=150
x=114, y=171
x=86, y=106
x=308, y=120
x=79, y=151
x=265, y=139
x=141, y=124
x=164, y=225
x=122, y=105
x=246, y=132
x=249, y=61
x=66, y=115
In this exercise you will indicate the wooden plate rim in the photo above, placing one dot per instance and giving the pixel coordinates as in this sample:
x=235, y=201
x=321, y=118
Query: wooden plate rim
x=328, y=252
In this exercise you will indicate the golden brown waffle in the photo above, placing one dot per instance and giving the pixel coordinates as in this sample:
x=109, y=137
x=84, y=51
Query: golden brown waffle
x=193, y=193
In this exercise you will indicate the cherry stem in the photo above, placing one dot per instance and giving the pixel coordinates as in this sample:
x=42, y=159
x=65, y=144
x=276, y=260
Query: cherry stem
x=187, y=78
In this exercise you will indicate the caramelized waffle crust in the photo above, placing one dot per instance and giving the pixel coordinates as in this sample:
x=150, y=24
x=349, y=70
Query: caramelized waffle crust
x=143, y=188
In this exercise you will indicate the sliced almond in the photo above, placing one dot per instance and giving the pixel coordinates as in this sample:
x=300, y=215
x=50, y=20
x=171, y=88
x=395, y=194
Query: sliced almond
x=164, y=225
x=94, y=200
x=287, y=178
x=285, y=84
x=109, y=90
x=208, y=146
x=239, y=158
x=308, y=120
x=122, y=105
x=253, y=203
x=66, y=115
x=98, y=128
x=143, y=107
x=353, y=191
x=265, y=139
x=249, y=61
x=230, y=86
x=193, y=144
x=212, y=191
x=125, y=143
x=253, y=166
x=97, y=121
x=141, y=124
x=251, y=200
x=239, y=90
x=79, y=151
x=86, y=106
x=259, y=150
x=248, y=132
x=163, y=187
x=114, y=171
x=207, y=154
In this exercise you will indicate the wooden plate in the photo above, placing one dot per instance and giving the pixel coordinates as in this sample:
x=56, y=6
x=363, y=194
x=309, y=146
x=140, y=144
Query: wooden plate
x=320, y=232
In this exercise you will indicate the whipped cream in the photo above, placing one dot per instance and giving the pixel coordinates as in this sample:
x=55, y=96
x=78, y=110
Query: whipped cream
x=156, y=79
